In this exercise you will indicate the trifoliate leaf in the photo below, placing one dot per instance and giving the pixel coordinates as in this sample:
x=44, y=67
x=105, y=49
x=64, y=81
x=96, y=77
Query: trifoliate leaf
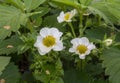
x=10, y=19
x=32, y=4
x=3, y=63
x=111, y=15
x=97, y=33
x=111, y=61
x=75, y=76
x=17, y=3
x=10, y=45
x=57, y=80
x=11, y=74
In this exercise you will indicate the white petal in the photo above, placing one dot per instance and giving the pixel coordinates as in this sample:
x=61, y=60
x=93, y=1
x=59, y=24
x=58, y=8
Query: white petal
x=38, y=41
x=85, y=41
x=68, y=20
x=87, y=52
x=72, y=50
x=58, y=46
x=45, y=31
x=42, y=53
x=44, y=48
x=60, y=18
x=91, y=46
x=75, y=41
x=56, y=33
x=82, y=56
x=41, y=48
x=73, y=12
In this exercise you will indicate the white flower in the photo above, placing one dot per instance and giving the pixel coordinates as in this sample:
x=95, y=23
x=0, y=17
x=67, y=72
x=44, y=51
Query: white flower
x=66, y=16
x=108, y=42
x=81, y=46
x=49, y=39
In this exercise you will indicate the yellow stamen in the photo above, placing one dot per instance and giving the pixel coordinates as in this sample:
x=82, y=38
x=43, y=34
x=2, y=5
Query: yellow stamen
x=67, y=16
x=49, y=41
x=82, y=49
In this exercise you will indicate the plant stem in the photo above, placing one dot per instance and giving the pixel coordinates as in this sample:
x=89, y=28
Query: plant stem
x=82, y=64
x=81, y=20
x=72, y=29
x=81, y=23
x=84, y=28
x=99, y=20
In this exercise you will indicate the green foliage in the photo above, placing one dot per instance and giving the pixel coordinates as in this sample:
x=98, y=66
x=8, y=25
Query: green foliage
x=27, y=77
x=11, y=74
x=52, y=23
x=16, y=3
x=111, y=59
x=21, y=21
x=118, y=37
x=76, y=76
x=67, y=2
x=10, y=21
x=57, y=80
x=3, y=63
x=32, y=4
x=97, y=33
x=108, y=15
x=85, y=2
x=10, y=45
x=45, y=72
x=101, y=81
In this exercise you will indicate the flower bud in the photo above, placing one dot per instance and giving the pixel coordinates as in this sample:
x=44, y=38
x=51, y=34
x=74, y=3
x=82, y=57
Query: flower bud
x=108, y=42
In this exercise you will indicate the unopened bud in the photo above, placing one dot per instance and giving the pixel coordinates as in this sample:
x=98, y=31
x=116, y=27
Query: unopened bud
x=108, y=42
x=47, y=72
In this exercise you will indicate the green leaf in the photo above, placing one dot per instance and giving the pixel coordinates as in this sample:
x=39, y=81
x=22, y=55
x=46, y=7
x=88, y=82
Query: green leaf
x=85, y=2
x=12, y=18
x=3, y=63
x=32, y=4
x=75, y=76
x=10, y=45
x=109, y=11
x=51, y=21
x=111, y=59
x=100, y=81
x=117, y=37
x=4, y=33
x=57, y=80
x=97, y=33
x=72, y=3
x=17, y=3
x=27, y=77
x=44, y=10
x=11, y=74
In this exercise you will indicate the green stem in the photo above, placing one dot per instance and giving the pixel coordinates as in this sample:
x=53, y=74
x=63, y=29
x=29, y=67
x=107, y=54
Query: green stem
x=81, y=20
x=29, y=26
x=84, y=28
x=72, y=29
x=82, y=64
x=30, y=14
x=99, y=20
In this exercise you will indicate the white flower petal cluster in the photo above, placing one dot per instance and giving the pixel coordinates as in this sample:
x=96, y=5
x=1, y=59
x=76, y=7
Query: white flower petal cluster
x=49, y=39
x=81, y=46
x=67, y=17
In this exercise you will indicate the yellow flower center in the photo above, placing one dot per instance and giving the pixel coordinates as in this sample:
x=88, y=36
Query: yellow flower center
x=82, y=49
x=49, y=41
x=67, y=16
